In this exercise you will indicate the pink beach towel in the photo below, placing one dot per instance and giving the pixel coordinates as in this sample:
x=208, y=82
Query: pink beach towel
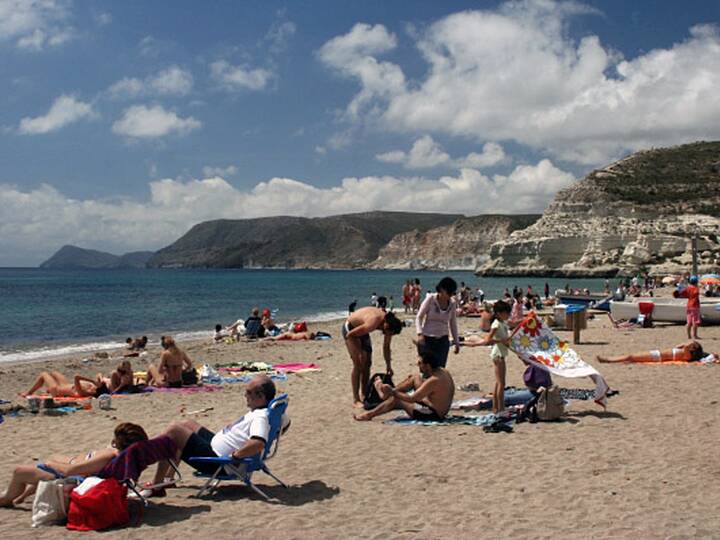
x=295, y=367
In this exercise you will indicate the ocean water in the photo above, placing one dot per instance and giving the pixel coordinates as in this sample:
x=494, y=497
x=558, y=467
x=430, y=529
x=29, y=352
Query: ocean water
x=46, y=313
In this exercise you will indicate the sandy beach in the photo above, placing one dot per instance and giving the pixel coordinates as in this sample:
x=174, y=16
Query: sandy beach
x=645, y=468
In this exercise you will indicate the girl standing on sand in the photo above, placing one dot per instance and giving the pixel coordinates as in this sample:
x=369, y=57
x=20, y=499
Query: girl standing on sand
x=499, y=338
x=416, y=292
x=407, y=299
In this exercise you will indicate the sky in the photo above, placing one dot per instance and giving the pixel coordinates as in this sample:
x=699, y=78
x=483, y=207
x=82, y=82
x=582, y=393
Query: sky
x=123, y=124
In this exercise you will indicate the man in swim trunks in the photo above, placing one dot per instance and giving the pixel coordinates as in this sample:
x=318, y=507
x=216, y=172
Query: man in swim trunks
x=433, y=387
x=173, y=362
x=356, y=332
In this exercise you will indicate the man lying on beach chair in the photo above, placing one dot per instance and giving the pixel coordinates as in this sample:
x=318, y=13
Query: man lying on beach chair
x=239, y=448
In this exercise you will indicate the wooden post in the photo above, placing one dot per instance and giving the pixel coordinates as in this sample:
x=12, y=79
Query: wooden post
x=577, y=319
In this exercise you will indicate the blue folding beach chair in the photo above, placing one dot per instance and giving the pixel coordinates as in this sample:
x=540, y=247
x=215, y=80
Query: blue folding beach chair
x=242, y=469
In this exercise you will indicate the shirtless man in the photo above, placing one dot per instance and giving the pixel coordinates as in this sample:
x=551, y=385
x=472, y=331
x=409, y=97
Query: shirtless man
x=173, y=361
x=433, y=392
x=356, y=332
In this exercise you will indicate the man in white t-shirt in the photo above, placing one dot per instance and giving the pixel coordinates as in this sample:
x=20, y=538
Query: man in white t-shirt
x=244, y=437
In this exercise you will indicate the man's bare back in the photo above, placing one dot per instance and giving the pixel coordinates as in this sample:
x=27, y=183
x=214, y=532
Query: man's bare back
x=441, y=390
x=365, y=320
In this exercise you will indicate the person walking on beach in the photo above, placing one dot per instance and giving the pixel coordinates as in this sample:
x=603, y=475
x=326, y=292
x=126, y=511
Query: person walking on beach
x=416, y=292
x=356, y=331
x=499, y=338
x=407, y=296
x=437, y=315
x=692, y=293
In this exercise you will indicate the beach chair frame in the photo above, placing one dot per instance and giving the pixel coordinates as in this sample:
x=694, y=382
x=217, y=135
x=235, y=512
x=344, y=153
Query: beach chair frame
x=242, y=469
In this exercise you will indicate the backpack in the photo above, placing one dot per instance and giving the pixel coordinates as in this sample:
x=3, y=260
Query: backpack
x=372, y=398
x=98, y=504
x=550, y=405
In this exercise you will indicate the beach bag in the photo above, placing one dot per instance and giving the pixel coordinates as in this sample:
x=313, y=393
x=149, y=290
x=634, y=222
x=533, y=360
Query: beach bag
x=372, y=398
x=190, y=377
x=98, y=504
x=300, y=327
x=52, y=498
x=550, y=405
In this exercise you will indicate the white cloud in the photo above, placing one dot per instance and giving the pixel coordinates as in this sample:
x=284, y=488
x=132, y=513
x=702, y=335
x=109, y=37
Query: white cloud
x=65, y=110
x=140, y=121
x=426, y=153
x=352, y=55
x=240, y=77
x=103, y=19
x=222, y=172
x=34, y=24
x=36, y=222
x=279, y=34
x=171, y=81
x=514, y=74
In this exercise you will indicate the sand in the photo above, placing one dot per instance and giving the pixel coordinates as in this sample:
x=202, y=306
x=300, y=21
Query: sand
x=646, y=468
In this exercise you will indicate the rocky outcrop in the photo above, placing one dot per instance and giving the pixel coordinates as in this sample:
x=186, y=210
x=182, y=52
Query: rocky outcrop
x=73, y=257
x=462, y=245
x=345, y=241
x=636, y=214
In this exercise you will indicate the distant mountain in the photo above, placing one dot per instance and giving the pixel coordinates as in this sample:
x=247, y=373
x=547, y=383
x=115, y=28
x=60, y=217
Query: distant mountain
x=344, y=241
x=73, y=257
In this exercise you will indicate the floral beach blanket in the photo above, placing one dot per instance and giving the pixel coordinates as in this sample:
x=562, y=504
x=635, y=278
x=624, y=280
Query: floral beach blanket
x=537, y=345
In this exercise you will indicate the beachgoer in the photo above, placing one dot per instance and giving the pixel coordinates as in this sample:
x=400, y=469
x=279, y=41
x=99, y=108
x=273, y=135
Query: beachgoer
x=173, y=363
x=244, y=437
x=391, y=305
x=547, y=290
x=407, y=296
x=481, y=295
x=253, y=325
x=352, y=306
x=438, y=315
x=499, y=338
x=516, y=311
x=374, y=300
x=292, y=336
x=356, y=331
x=268, y=323
x=57, y=385
x=120, y=379
x=691, y=351
x=25, y=478
x=692, y=293
x=220, y=334
x=416, y=292
x=433, y=390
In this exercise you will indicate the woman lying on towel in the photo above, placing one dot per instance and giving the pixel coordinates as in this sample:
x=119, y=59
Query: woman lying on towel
x=58, y=385
x=292, y=336
x=685, y=352
x=26, y=477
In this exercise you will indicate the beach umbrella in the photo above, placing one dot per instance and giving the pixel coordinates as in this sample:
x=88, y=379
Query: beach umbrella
x=669, y=280
x=710, y=280
x=710, y=276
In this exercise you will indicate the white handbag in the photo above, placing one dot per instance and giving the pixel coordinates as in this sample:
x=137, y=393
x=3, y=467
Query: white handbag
x=52, y=498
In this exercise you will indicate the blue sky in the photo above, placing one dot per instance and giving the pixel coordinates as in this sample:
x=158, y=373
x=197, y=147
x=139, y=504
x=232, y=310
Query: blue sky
x=125, y=123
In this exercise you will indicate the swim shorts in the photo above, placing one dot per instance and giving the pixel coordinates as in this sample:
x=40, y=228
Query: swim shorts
x=365, y=342
x=425, y=413
x=693, y=316
x=198, y=445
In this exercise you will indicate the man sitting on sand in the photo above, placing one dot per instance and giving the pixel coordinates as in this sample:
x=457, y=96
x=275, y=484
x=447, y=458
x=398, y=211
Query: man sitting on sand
x=433, y=392
x=356, y=332
x=244, y=437
x=173, y=362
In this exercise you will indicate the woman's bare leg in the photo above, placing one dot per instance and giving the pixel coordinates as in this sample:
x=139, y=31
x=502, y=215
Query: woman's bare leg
x=44, y=379
x=24, y=477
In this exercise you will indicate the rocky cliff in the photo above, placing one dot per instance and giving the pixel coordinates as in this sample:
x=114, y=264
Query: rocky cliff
x=462, y=245
x=638, y=213
x=345, y=241
x=73, y=257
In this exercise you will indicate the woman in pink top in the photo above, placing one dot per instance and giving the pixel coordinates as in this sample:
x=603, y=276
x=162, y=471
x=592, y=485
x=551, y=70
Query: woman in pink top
x=436, y=315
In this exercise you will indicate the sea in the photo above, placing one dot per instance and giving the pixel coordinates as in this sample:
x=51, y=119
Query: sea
x=50, y=313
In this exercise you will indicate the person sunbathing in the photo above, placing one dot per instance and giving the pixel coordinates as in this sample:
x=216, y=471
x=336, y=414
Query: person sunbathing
x=57, y=385
x=433, y=392
x=173, y=363
x=26, y=477
x=292, y=336
x=691, y=351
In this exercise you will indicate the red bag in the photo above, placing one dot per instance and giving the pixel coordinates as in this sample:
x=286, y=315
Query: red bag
x=300, y=327
x=103, y=506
